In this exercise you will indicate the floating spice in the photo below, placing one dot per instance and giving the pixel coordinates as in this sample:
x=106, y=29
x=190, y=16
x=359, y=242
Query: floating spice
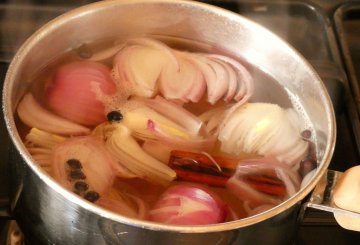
x=80, y=186
x=216, y=171
x=74, y=164
x=114, y=116
x=202, y=168
x=91, y=196
x=77, y=174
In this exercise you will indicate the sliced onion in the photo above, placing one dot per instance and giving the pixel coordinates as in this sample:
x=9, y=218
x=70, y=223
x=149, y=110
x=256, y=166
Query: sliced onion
x=136, y=119
x=129, y=154
x=157, y=150
x=34, y=115
x=213, y=118
x=255, y=165
x=185, y=204
x=138, y=68
x=175, y=142
x=264, y=129
x=244, y=76
x=42, y=141
x=245, y=192
x=138, y=65
x=232, y=80
x=215, y=76
x=40, y=144
x=96, y=164
x=71, y=94
x=156, y=45
x=183, y=81
x=176, y=113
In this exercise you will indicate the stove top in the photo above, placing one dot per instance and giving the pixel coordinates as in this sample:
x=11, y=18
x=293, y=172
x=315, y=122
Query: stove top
x=323, y=32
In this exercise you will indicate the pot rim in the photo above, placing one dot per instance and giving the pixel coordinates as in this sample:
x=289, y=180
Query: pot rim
x=12, y=130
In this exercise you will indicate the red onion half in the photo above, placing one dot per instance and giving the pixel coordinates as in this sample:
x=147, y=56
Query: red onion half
x=72, y=93
x=186, y=204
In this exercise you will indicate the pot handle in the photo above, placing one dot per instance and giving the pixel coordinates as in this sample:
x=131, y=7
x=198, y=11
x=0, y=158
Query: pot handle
x=338, y=193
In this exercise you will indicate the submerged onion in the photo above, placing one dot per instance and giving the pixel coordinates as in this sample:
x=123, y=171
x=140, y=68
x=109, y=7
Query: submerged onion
x=176, y=113
x=178, y=142
x=129, y=154
x=138, y=65
x=145, y=67
x=82, y=164
x=72, y=94
x=96, y=166
x=32, y=114
x=189, y=204
x=265, y=129
x=259, y=182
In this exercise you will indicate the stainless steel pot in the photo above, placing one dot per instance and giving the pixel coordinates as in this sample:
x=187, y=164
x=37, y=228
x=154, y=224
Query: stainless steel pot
x=48, y=214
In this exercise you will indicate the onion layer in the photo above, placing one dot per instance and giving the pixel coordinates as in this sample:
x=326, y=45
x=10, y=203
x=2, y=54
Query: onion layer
x=130, y=155
x=175, y=113
x=176, y=142
x=33, y=115
x=97, y=166
x=264, y=129
x=240, y=186
x=146, y=66
x=186, y=204
x=71, y=91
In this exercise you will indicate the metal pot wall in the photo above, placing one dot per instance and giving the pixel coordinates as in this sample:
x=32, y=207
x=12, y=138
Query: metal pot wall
x=48, y=214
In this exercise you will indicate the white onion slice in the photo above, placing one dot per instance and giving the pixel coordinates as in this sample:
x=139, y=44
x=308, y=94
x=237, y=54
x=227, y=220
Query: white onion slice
x=138, y=68
x=243, y=75
x=157, y=150
x=33, y=115
x=136, y=120
x=97, y=164
x=130, y=154
x=215, y=76
x=175, y=142
x=232, y=80
x=184, y=82
x=264, y=129
x=175, y=113
x=138, y=64
x=156, y=45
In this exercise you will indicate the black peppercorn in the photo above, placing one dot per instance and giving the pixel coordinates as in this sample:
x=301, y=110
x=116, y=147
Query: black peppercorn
x=80, y=186
x=74, y=164
x=91, y=196
x=114, y=116
x=77, y=174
